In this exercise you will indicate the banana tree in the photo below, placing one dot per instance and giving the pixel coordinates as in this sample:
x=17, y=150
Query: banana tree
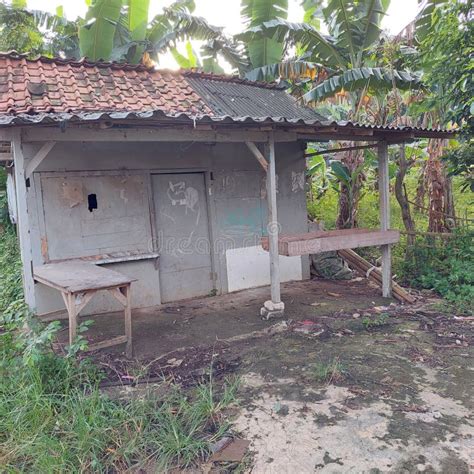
x=344, y=63
x=347, y=53
x=263, y=50
x=120, y=30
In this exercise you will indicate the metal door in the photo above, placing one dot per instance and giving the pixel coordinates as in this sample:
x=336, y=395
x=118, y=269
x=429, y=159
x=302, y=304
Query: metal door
x=182, y=230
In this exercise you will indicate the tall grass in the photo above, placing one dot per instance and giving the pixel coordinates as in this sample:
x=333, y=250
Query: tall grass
x=55, y=418
x=325, y=210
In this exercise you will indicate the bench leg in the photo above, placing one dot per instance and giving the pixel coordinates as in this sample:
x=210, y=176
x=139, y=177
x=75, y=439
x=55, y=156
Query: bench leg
x=70, y=300
x=128, y=321
x=122, y=294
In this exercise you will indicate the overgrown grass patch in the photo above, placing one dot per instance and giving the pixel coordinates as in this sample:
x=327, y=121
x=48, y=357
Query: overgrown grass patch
x=55, y=418
x=447, y=267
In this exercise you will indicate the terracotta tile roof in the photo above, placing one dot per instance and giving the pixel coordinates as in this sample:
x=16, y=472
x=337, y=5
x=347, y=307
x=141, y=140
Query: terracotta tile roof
x=57, y=85
x=51, y=90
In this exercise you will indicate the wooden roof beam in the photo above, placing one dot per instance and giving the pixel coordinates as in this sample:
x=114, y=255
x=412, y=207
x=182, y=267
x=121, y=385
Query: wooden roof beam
x=258, y=155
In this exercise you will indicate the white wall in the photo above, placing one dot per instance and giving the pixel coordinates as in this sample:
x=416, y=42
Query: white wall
x=249, y=267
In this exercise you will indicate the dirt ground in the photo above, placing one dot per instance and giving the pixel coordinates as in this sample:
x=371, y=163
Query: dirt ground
x=347, y=382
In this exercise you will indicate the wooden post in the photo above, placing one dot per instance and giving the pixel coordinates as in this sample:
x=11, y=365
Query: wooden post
x=384, y=195
x=128, y=322
x=72, y=312
x=23, y=224
x=275, y=306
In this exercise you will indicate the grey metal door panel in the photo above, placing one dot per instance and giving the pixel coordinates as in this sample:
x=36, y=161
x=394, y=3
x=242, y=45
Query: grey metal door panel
x=182, y=229
x=119, y=223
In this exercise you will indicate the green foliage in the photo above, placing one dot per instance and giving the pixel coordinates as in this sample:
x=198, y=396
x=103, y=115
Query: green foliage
x=446, y=51
x=346, y=56
x=460, y=161
x=375, y=321
x=324, y=208
x=354, y=79
x=12, y=307
x=119, y=30
x=328, y=371
x=447, y=268
x=36, y=32
x=18, y=31
x=445, y=31
x=54, y=417
x=96, y=36
x=263, y=50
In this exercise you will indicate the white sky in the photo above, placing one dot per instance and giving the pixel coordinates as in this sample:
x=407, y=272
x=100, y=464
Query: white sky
x=226, y=13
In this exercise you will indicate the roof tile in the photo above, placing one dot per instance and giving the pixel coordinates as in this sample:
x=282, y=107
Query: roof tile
x=35, y=86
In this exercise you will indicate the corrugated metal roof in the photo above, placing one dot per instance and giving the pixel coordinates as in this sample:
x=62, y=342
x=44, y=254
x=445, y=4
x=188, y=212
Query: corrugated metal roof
x=184, y=118
x=243, y=99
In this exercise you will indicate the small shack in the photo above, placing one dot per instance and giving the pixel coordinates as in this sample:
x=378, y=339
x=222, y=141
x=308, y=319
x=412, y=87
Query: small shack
x=169, y=179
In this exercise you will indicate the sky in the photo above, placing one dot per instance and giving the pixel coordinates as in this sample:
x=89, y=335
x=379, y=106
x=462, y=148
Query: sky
x=226, y=13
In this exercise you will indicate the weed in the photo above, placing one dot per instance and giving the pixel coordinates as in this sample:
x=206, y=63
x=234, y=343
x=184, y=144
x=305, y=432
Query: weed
x=446, y=268
x=54, y=417
x=328, y=372
x=376, y=321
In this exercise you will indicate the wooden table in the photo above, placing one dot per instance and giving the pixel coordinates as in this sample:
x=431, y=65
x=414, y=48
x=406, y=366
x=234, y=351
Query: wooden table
x=78, y=282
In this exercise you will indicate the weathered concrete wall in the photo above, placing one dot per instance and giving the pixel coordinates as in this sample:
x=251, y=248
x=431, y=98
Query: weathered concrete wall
x=236, y=208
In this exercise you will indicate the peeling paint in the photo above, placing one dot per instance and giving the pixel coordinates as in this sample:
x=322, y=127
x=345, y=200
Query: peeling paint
x=73, y=193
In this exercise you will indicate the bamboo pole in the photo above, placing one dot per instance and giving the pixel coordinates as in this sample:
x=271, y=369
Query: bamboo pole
x=374, y=274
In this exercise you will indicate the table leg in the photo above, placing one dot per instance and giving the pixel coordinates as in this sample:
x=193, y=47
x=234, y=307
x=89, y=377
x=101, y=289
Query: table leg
x=70, y=300
x=128, y=321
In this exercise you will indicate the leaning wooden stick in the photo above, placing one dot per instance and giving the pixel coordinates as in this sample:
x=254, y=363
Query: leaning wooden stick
x=374, y=274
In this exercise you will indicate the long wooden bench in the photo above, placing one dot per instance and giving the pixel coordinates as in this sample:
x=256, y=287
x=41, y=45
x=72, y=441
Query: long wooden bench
x=325, y=241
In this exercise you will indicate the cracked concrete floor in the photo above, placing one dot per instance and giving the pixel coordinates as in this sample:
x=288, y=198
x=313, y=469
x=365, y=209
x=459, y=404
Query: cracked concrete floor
x=402, y=402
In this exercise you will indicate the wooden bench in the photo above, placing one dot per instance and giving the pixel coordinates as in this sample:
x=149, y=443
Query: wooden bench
x=325, y=241
x=78, y=282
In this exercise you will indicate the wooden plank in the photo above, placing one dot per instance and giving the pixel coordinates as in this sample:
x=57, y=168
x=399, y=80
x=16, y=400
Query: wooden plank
x=273, y=225
x=118, y=295
x=115, y=257
x=38, y=158
x=325, y=241
x=23, y=220
x=53, y=315
x=77, y=277
x=71, y=309
x=167, y=133
x=384, y=195
x=107, y=343
x=128, y=321
x=256, y=152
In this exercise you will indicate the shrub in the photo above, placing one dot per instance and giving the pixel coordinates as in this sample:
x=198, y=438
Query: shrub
x=55, y=418
x=446, y=267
